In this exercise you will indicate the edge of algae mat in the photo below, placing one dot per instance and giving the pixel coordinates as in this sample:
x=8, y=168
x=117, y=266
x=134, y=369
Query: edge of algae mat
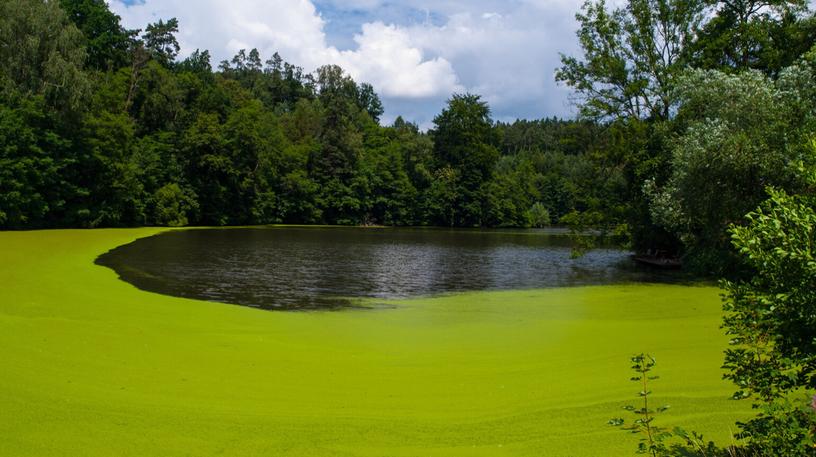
x=93, y=366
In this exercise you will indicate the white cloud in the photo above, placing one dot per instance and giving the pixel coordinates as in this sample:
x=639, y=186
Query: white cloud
x=356, y=4
x=385, y=56
x=387, y=59
x=509, y=58
x=505, y=50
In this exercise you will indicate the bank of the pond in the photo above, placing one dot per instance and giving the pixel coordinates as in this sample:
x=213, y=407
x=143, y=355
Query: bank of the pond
x=93, y=366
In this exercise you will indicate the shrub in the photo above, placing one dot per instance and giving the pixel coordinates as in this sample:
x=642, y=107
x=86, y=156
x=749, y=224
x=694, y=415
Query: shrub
x=173, y=206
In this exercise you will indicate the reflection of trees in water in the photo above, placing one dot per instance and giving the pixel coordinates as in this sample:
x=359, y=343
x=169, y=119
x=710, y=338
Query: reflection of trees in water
x=315, y=268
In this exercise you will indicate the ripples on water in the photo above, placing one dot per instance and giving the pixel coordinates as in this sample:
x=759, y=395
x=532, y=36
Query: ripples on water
x=319, y=268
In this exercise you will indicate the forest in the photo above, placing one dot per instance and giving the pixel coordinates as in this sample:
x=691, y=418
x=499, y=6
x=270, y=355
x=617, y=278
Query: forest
x=101, y=126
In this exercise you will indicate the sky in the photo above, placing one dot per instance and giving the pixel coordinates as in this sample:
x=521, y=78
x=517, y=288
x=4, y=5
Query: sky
x=415, y=53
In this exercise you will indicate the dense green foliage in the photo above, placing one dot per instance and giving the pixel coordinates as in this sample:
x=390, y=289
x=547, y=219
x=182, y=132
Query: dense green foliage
x=712, y=100
x=772, y=322
x=764, y=35
x=737, y=134
x=103, y=126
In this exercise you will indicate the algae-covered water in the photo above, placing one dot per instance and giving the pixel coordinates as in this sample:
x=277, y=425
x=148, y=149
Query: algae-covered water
x=322, y=267
x=93, y=366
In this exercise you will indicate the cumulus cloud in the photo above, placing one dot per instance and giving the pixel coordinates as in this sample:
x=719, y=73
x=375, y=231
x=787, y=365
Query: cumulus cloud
x=387, y=59
x=414, y=52
x=385, y=55
x=508, y=56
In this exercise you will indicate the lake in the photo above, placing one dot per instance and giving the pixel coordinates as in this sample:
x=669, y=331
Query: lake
x=337, y=267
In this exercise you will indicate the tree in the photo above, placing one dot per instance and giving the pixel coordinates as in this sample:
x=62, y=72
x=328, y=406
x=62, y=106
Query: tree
x=538, y=215
x=383, y=183
x=160, y=41
x=510, y=193
x=341, y=146
x=173, y=206
x=369, y=101
x=214, y=177
x=631, y=56
x=771, y=319
x=41, y=54
x=464, y=145
x=255, y=144
x=159, y=44
x=158, y=100
x=32, y=167
x=198, y=62
x=42, y=95
x=106, y=41
x=442, y=198
x=751, y=34
x=741, y=132
x=116, y=194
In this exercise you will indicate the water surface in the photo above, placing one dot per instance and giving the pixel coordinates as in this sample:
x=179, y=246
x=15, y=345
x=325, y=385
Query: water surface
x=320, y=268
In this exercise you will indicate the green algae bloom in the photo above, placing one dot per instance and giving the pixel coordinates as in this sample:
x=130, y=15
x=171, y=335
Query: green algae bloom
x=94, y=366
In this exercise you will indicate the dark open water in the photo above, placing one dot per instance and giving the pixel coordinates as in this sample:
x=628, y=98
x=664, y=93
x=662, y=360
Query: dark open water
x=325, y=268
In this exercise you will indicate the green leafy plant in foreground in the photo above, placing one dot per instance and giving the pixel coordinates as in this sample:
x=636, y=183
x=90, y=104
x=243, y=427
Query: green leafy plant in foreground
x=653, y=438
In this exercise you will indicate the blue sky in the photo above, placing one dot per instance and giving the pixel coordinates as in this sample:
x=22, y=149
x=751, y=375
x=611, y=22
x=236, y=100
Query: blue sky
x=416, y=53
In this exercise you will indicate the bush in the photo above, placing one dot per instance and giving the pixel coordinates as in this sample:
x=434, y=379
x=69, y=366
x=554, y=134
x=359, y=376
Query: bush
x=538, y=215
x=771, y=318
x=173, y=206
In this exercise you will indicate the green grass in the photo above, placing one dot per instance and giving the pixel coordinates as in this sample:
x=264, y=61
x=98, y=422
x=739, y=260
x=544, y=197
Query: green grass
x=92, y=366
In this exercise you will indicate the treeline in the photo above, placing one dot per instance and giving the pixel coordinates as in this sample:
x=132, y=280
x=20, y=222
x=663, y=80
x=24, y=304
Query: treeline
x=689, y=110
x=102, y=126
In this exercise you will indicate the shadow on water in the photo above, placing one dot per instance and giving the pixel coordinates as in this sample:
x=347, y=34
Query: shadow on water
x=319, y=268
